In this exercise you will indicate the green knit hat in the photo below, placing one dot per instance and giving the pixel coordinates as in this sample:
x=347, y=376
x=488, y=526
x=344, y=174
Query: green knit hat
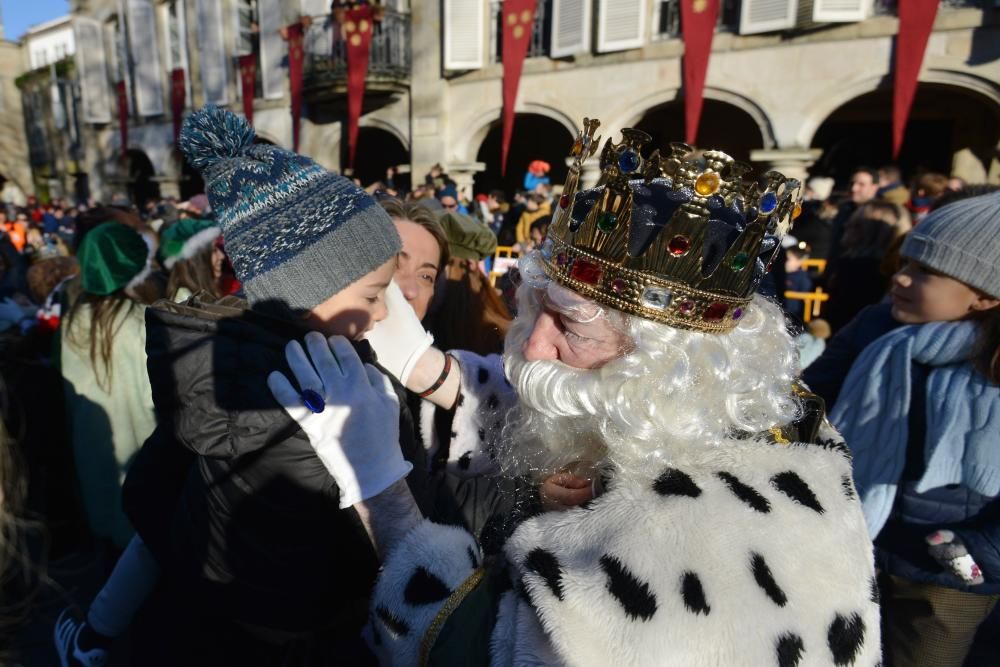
x=113, y=256
x=467, y=238
x=186, y=238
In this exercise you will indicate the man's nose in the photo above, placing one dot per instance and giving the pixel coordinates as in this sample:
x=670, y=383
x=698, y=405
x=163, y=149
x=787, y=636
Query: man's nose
x=541, y=345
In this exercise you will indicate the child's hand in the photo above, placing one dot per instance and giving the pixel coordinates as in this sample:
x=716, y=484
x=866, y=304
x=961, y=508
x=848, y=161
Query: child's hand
x=949, y=550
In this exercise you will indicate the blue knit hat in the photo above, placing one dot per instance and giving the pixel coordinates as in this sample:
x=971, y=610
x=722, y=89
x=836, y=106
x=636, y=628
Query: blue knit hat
x=295, y=233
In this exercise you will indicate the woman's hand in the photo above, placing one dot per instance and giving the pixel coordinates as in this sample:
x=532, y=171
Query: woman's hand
x=348, y=410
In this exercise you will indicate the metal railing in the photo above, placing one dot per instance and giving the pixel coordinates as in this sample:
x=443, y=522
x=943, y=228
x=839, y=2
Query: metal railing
x=389, y=56
x=540, y=29
x=667, y=18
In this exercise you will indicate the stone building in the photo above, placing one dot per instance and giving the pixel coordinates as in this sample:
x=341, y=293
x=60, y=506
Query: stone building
x=797, y=84
x=15, y=174
x=50, y=100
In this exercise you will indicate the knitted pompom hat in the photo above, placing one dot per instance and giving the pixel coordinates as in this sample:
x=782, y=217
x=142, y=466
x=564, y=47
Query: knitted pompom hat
x=295, y=233
x=961, y=240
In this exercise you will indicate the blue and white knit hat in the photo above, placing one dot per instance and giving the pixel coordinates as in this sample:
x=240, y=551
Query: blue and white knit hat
x=295, y=233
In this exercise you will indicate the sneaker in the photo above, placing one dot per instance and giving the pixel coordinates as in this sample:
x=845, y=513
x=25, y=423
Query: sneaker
x=66, y=635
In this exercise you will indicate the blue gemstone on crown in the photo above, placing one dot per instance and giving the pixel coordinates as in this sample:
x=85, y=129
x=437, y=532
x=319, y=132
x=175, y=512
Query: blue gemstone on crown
x=715, y=201
x=628, y=161
x=768, y=203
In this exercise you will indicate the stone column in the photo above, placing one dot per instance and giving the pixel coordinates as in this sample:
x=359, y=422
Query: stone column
x=428, y=121
x=792, y=162
x=463, y=173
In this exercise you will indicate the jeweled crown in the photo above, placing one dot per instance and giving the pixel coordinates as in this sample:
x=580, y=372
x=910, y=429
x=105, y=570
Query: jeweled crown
x=681, y=238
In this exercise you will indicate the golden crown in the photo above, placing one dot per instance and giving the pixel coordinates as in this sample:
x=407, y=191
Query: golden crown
x=683, y=239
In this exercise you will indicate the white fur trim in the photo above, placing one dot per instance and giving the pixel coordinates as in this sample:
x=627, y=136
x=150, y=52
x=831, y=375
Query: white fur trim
x=147, y=270
x=443, y=552
x=194, y=245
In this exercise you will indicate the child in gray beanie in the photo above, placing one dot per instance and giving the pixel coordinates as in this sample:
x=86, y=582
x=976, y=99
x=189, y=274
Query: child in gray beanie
x=920, y=410
x=236, y=516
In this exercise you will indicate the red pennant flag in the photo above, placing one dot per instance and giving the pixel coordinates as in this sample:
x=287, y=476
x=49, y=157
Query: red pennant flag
x=295, y=55
x=698, y=20
x=123, y=116
x=916, y=20
x=248, y=81
x=357, y=31
x=518, y=21
x=178, y=99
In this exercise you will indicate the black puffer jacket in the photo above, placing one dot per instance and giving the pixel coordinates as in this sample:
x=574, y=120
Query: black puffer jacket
x=228, y=492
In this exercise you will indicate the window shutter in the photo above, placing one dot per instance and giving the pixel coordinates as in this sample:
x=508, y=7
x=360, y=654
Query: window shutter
x=767, y=15
x=464, y=34
x=621, y=25
x=93, y=70
x=212, y=49
x=570, y=27
x=272, y=49
x=146, y=56
x=841, y=11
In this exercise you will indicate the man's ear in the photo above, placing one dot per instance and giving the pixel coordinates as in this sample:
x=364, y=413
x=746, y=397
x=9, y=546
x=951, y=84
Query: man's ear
x=984, y=303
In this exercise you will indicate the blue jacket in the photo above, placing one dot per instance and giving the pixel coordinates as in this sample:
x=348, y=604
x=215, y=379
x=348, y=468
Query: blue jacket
x=900, y=548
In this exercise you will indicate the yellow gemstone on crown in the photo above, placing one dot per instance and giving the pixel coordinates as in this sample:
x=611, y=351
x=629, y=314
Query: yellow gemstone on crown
x=797, y=211
x=707, y=184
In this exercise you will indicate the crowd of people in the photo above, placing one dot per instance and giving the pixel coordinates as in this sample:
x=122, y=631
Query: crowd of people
x=302, y=421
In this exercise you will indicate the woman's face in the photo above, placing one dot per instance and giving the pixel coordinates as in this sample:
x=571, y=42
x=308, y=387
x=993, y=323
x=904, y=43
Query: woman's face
x=354, y=310
x=417, y=266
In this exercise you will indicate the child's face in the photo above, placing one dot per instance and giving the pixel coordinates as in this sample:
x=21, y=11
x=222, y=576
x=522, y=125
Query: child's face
x=793, y=262
x=537, y=236
x=354, y=310
x=921, y=294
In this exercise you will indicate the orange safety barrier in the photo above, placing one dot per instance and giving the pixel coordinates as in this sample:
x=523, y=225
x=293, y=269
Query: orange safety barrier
x=504, y=258
x=818, y=264
x=813, y=301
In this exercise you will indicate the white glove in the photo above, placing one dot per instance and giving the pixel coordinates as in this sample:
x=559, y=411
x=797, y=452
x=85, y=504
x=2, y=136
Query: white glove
x=356, y=431
x=399, y=340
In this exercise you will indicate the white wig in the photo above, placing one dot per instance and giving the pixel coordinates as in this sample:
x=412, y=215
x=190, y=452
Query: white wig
x=671, y=388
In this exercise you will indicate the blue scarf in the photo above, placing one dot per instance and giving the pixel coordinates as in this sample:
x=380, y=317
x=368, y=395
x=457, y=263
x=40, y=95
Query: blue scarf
x=962, y=442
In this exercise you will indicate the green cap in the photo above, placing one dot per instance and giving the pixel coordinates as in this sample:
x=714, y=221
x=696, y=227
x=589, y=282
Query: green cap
x=112, y=256
x=467, y=238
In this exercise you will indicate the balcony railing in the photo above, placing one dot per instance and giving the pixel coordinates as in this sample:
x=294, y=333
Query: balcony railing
x=667, y=18
x=326, y=50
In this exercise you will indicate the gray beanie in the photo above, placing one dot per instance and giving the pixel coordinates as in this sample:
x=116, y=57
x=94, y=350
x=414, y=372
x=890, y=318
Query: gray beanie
x=961, y=240
x=296, y=233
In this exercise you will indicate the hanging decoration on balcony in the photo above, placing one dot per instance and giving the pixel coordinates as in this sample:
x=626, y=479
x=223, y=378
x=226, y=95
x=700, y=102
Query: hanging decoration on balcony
x=122, y=93
x=357, y=32
x=178, y=99
x=698, y=20
x=248, y=83
x=518, y=22
x=916, y=20
x=294, y=34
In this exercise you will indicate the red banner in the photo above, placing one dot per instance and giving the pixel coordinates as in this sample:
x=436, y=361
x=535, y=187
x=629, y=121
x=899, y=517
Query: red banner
x=248, y=83
x=122, y=93
x=698, y=20
x=357, y=32
x=916, y=20
x=518, y=22
x=178, y=99
x=295, y=54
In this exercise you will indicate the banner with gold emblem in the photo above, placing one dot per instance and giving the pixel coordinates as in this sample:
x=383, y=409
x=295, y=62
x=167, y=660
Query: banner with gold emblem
x=518, y=21
x=248, y=83
x=698, y=20
x=916, y=20
x=357, y=32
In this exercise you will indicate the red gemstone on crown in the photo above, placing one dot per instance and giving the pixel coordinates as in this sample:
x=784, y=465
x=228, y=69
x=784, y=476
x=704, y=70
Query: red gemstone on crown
x=679, y=245
x=586, y=271
x=715, y=312
x=564, y=201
